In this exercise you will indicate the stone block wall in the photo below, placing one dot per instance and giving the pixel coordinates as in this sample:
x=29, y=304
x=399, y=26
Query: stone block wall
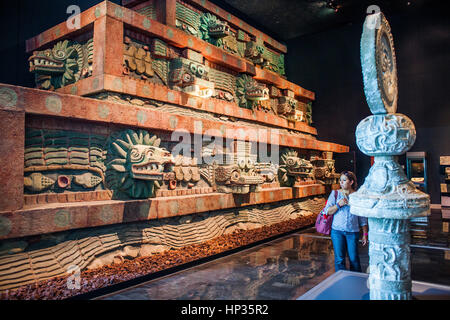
x=155, y=125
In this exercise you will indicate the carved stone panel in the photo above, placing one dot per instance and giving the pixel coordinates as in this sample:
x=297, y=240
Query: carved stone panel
x=391, y=134
x=65, y=63
x=390, y=277
x=136, y=164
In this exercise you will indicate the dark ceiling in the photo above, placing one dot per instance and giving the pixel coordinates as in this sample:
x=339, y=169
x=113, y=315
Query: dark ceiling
x=288, y=19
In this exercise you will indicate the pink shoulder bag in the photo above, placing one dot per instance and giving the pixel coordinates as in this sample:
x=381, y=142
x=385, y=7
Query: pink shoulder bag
x=324, y=222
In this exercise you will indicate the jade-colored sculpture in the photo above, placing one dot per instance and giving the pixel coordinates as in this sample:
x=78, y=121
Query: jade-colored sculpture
x=387, y=197
x=136, y=163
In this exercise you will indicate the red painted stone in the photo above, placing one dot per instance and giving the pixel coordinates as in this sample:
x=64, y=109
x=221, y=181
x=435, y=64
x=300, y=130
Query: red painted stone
x=12, y=159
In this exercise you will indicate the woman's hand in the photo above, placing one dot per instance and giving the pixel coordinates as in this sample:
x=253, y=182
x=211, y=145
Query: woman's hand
x=333, y=209
x=343, y=202
x=365, y=239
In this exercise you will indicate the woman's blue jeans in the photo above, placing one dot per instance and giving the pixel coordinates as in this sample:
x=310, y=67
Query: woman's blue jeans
x=343, y=243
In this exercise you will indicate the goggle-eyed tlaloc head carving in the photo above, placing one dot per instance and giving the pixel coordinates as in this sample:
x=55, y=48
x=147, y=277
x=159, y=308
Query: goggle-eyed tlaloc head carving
x=238, y=175
x=183, y=72
x=190, y=77
x=136, y=163
x=287, y=105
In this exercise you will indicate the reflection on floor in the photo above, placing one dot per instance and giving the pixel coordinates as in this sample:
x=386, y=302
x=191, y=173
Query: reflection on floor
x=290, y=266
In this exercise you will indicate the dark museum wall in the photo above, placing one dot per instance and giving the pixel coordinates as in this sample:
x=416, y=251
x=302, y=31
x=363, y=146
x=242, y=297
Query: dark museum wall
x=328, y=63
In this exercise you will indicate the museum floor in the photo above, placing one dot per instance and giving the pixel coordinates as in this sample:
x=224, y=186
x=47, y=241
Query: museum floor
x=288, y=267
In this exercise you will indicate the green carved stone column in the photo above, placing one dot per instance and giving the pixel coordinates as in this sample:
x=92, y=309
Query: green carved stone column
x=390, y=263
x=387, y=197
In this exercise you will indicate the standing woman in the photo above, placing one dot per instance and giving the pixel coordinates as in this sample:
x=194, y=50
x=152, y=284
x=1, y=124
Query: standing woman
x=345, y=226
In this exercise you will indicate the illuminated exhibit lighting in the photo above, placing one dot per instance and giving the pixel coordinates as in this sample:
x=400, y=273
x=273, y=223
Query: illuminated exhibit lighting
x=332, y=4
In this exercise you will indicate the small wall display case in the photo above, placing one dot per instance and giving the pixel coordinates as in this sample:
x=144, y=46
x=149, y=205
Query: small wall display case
x=416, y=168
x=444, y=162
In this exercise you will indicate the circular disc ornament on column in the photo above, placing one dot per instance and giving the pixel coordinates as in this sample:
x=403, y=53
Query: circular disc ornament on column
x=379, y=65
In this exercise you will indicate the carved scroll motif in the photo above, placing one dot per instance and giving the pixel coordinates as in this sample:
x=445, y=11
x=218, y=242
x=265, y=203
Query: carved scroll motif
x=61, y=161
x=389, y=258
